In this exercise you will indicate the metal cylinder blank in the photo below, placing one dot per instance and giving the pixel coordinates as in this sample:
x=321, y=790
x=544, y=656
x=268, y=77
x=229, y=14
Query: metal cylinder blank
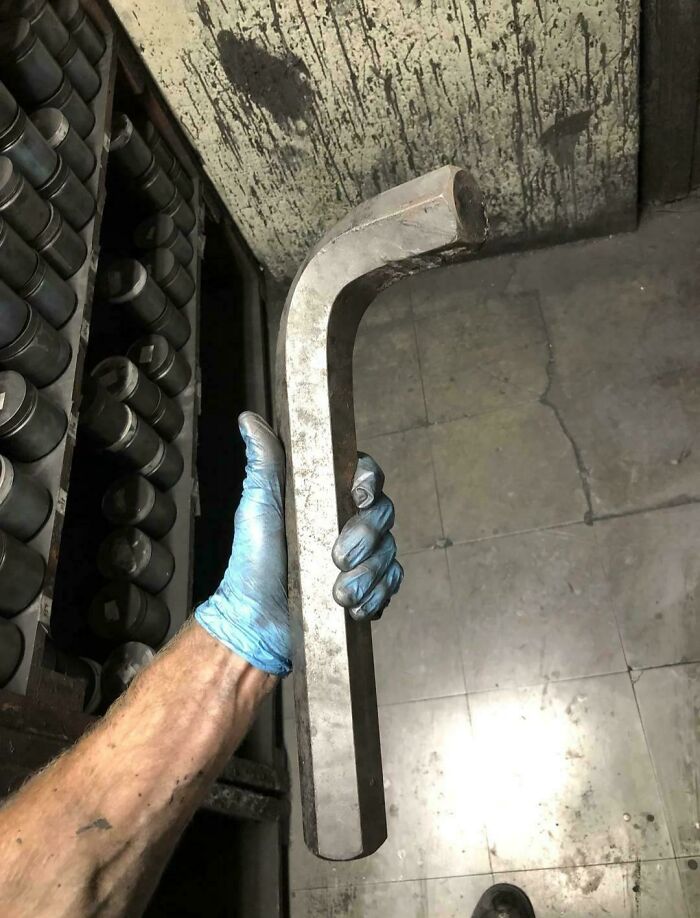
x=30, y=153
x=8, y=107
x=160, y=231
x=159, y=147
x=116, y=427
x=11, y=650
x=33, y=280
x=173, y=325
x=122, y=666
x=14, y=315
x=68, y=101
x=159, y=360
x=48, y=293
x=129, y=148
x=29, y=67
x=168, y=419
x=21, y=574
x=127, y=281
x=66, y=192
x=80, y=668
x=123, y=612
x=39, y=353
x=17, y=259
x=167, y=469
x=182, y=181
x=156, y=186
x=20, y=205
x=85, y=79
x=168, y=160
x=105, y=419
x=141, y=449
x=61, y=137
x=25, y=504
x=129, y=554
x=42, y=19
x=170, y=276
x=74, y=17
x=123, y=379
x=31, y=426
x=61, y=246
x=134, y=501
x=181, y=212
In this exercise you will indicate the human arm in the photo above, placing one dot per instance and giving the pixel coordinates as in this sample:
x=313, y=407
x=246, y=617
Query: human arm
x=91, y=833
x=97, y=826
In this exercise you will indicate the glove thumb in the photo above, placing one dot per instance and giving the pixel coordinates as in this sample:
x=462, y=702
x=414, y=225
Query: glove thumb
x=265, y=462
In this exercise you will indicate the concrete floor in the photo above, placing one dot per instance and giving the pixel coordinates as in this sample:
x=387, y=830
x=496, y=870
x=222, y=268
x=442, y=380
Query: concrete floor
x=538, y=419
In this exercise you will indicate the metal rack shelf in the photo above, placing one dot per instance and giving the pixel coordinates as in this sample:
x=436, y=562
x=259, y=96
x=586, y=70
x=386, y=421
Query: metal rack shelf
x=53, y=471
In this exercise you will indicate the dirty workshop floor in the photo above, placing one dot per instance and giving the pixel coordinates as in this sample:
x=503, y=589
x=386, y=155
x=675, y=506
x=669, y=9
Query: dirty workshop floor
x=538, y=419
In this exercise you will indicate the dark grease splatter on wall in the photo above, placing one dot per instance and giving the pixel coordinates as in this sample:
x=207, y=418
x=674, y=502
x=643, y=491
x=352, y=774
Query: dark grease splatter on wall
x=281, y=85
x=561, y=137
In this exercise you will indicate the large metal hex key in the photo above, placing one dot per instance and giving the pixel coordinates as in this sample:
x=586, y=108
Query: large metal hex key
x=419, y=225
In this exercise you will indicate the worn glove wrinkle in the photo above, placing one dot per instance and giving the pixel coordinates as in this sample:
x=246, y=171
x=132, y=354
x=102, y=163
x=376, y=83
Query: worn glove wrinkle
x=248, y=612
x=380, y=595
x=361, y=534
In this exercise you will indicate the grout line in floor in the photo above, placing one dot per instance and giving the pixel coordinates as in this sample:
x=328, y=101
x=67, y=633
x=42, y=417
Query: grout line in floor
x=659, y=508
x=530, y=685
x=683, y=500
x=613, y=608
x=492, y=873
x=659, y=788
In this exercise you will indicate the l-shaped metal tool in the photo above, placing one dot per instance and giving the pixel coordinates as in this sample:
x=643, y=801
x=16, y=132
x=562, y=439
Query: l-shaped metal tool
x=422, y=224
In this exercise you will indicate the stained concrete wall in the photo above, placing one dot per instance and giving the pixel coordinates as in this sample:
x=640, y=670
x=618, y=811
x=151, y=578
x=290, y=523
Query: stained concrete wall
x=301, y=108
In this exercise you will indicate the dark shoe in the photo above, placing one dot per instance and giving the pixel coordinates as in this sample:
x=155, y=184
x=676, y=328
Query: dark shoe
x=504, y=901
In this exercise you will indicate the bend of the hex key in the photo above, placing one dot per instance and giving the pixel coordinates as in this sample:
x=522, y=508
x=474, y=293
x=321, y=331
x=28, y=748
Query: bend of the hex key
x=424, y=223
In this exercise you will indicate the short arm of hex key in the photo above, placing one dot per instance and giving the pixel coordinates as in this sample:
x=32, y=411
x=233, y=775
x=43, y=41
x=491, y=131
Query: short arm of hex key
x=424, y=223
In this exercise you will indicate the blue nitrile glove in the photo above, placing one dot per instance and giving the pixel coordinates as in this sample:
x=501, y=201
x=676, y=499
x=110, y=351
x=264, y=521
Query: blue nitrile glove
x=248, y=612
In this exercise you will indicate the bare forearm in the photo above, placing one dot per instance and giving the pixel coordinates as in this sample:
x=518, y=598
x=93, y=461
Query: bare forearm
x=93, y=831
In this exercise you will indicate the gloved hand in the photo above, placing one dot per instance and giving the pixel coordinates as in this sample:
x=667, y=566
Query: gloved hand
x=248, y=612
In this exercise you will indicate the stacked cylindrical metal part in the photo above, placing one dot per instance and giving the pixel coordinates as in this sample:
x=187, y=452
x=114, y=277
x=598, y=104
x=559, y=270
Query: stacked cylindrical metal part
x=147, y=161
x=31, y=426
x=48, y=80
x=129, y=415
x=44, y=160
x=125, y=282
x=131, y=408
x=132, y=400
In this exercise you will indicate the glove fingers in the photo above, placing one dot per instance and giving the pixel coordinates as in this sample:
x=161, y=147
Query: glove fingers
x=351, y=587
x=367, y=482
x=265, y=463
x=362, y=533
x=380, y=595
